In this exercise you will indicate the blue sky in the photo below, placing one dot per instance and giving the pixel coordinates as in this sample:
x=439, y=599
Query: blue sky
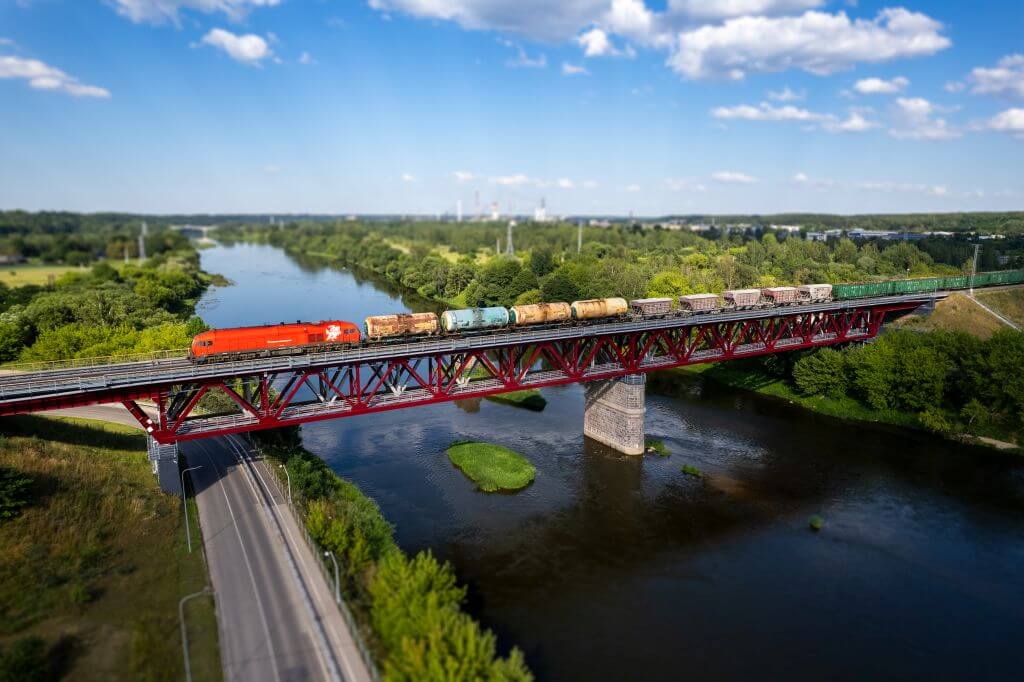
x=598, y=106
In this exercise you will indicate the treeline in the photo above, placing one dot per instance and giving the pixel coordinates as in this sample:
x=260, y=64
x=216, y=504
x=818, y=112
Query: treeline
x=453, y=264
x=79, y=239
x=1007, y=222
x=104, y=311
x=953, y=381
x=410, y=608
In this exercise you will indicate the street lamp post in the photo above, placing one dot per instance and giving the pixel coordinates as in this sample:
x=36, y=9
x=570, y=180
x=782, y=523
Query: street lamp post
x=184, y=630
x=337, y=578
x=289, y=476
x=184, y=503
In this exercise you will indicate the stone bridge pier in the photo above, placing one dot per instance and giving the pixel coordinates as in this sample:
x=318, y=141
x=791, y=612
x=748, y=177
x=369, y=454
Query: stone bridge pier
x=614, y=413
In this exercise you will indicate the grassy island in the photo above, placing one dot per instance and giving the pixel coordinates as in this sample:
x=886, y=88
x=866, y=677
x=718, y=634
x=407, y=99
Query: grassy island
x=530, y=399
x=492, y=467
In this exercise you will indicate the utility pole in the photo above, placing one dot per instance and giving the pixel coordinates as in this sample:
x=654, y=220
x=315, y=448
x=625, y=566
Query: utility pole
x=579, y=236
x=974, y=268
x=497, y=246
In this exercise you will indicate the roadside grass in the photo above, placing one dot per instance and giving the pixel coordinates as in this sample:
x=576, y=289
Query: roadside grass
x=40, y=275
x=491, y=467
x=95, y=563
x=1007, y=302
x=957, y=313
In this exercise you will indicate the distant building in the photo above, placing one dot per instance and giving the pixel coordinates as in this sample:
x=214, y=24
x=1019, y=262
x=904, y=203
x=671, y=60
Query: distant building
x=11, y=258
x=786, y=228
x=824, y=236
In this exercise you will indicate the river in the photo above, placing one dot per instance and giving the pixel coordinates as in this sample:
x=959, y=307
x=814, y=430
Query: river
x=616, y=567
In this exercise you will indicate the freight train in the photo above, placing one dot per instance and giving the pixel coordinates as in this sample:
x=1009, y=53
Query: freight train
x=331, y=335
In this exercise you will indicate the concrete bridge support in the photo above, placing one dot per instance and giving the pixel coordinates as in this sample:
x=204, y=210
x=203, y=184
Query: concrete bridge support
x=164, y=459
x=614, y=413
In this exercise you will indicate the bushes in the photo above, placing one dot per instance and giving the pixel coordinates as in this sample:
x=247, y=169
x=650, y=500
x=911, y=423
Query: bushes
x=823, y=372
x=25, y=661
x=952, y=381
x=15, y=492
x=418, y=616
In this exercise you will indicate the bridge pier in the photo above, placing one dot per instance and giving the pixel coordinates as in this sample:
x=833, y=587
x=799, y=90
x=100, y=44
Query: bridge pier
x=164, y=459
x=614, y=413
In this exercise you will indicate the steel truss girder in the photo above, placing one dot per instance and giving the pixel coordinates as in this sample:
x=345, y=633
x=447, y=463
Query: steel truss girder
x=272, y=400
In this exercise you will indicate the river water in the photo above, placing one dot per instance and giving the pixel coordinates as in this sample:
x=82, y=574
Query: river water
x=616, y=567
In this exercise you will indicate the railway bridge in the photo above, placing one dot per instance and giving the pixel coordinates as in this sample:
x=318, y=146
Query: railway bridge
x=612, y=358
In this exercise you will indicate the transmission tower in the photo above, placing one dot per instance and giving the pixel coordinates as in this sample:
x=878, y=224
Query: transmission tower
x=142, y=241
x=579, y=236
x=509, y=249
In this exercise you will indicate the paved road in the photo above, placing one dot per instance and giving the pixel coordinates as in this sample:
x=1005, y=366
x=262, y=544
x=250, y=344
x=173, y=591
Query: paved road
x=276, y=615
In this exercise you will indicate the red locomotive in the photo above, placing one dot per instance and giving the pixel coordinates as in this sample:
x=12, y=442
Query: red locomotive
x=277, y=339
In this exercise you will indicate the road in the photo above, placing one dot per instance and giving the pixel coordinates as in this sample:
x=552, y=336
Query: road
x=276, y=615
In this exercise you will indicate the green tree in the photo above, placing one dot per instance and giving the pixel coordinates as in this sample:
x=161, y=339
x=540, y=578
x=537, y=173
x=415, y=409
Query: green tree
x=821, y=372
x=559, y=287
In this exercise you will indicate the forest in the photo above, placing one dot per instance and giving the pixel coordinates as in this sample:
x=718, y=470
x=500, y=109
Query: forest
x=457, y=264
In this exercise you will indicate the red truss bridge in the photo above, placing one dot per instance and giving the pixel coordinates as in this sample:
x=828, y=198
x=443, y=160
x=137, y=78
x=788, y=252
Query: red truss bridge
x=287, y=390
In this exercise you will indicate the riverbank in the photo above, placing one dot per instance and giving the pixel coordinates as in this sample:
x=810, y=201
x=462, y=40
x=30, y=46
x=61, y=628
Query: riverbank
x=409, y=608
x=94, y=563
x=747, y=378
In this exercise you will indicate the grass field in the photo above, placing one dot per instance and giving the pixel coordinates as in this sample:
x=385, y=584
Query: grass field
x=95, y=564
x=958, y=314
x=1007, y=302
x=21, y=275
x=492, y=467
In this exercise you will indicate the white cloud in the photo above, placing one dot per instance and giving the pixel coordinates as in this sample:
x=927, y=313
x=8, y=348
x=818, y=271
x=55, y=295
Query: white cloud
x=733, y=177
x=163, y=11
x=724, y=9
x=462, y=176
x=787, y=95
x=954, y=86
x=1010, y=121
x=767, y=112
x=248, y=49
x=408, y=177
x=536, y=19
x=513, y=180
x=596, y=43
x=684, y=185
x=854, y=123
x=916, y=120
x=816, y=42
x=589, y=184
x=565, y=183
x=522, y=59
x=880, y=86
x=306, y=58
x=573, y=70
x=816, y=183
x=1005, y=78
x=271, y=169
x=6, y=41
x=41, y=76
x=906, y=187
x=631, y=188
